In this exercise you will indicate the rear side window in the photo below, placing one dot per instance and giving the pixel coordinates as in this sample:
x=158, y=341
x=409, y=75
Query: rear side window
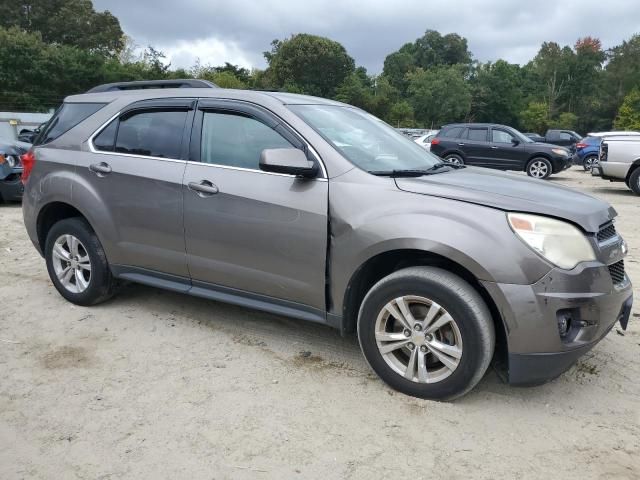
x=236, y=140
x=477, y=134
x=66, y=117
x=454, y=132
x=156, y=133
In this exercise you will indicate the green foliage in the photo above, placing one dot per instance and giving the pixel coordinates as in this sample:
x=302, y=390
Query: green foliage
x=401, y=114
x=65, y=22
x=629, y=114
x=497, y=93
x=535, y=117
x=439, y=95
x=566, y=120
x=309, y=64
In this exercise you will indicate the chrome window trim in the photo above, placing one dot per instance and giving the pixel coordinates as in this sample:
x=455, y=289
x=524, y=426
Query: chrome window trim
x=313, y=151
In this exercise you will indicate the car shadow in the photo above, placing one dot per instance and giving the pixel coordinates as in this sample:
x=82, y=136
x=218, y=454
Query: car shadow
x=303, y=345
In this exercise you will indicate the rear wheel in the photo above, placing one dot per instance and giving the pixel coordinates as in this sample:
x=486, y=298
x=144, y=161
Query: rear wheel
x=77, y=264
x=426, y=333
x=634, y=181
x=589, y=162
x=539, y=168
x=454, y=158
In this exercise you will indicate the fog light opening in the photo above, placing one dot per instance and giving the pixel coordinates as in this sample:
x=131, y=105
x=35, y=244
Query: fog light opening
x=564, y=325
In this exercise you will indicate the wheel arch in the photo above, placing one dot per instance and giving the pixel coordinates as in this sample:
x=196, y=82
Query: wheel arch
x=385, y=263
x=52, y=213
x=634, y=166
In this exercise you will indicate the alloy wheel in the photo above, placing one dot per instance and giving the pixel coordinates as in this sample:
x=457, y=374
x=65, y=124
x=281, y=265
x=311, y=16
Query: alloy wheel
x=418, y=339
x=538, y=169
x=71, y=263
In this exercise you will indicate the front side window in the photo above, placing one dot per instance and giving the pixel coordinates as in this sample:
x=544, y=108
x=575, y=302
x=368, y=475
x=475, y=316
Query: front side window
x=156, y=133
x=500, y=136
x=365, y=140
x=477, y=134
x=565, y=136
x=236, y=140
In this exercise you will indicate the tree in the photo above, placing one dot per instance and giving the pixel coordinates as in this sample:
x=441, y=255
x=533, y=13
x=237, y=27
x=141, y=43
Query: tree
x=552, y=65
x=433, y=49
x=566, y=120
x=310, y=64
x=439, y=95
x=535, y=117
x=629, y=114
x=401, y=114
x=396, y=67
x=497, y=93
x=65, y=22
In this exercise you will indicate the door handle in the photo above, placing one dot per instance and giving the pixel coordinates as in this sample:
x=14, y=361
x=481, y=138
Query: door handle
x=461, y=144
x=204, y=188
x=100, y=169
x=494, y=147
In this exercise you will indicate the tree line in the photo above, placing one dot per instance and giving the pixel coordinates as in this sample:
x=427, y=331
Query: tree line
x=53, y=48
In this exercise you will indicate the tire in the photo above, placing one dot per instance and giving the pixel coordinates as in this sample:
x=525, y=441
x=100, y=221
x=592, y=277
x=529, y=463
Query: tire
x=634, y=181
x=589, y=161
x=83, y=287
x=454, y=158
x=539, y=167
x=470, y=335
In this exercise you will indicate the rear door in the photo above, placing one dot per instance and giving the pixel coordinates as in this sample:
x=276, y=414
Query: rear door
x=507, y=155
x=136, y=168
x=251, y=231
x=474, y=143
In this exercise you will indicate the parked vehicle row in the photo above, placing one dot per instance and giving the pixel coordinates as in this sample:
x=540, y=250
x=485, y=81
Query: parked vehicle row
x=564, y=138
x=619, y=160
x=499, y=147
x=314, y=209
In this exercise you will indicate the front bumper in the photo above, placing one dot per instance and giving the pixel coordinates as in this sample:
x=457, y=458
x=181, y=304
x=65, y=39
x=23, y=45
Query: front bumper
x=11, y=188
x=586, y=297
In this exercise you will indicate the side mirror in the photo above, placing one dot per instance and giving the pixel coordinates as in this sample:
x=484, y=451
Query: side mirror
x=291, y=161
x=515, y=142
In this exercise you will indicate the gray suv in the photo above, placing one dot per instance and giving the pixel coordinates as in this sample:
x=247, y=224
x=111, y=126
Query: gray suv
x=316, y=210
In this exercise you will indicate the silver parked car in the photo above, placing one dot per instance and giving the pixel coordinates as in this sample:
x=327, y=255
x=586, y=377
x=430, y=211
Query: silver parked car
x=619, y=160
x=316, y=210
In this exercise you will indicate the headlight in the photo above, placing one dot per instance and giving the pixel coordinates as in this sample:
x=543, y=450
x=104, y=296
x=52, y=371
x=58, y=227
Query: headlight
x=560, y=151
x=12, y=161
x=559, y=242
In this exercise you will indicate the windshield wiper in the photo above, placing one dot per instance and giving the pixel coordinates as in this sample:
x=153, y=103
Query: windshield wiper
x=415, y=172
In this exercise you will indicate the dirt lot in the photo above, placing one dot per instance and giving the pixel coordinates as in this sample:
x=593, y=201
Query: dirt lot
x=158, y=385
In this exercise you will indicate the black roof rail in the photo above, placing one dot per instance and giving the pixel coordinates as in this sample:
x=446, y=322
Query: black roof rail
x=146, y=84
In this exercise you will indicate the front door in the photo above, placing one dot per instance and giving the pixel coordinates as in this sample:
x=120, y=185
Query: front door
x=248, y=230
x=136, y=170
x=507, y=150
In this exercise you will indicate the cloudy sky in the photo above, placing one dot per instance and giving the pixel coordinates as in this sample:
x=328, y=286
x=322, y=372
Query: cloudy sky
x=238, y=31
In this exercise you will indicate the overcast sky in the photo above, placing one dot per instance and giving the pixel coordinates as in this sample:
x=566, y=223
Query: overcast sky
x=238, y=31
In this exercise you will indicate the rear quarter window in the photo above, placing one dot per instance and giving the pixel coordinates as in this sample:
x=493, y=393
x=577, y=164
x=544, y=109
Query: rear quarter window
x=66, y=117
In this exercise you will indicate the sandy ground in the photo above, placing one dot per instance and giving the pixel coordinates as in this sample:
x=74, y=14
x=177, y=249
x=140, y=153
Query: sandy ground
x=158, y=385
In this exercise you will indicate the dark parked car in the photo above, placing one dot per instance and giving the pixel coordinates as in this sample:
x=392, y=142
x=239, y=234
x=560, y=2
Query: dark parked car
x=11, y=187
x=564, y=138
x=535, y=137
x=499, y=147
x=313, y=209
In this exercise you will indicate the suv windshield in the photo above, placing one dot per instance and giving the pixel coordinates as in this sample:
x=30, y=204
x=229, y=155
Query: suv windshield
x=365, y=140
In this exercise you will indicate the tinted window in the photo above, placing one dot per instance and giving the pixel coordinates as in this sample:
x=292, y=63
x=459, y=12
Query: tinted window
x=500, y=136
x=236, y=140
x=156, y=133
x=565, y=136
x=68, y=116
x=106, y=139
x=453, y=132
x=477, y=134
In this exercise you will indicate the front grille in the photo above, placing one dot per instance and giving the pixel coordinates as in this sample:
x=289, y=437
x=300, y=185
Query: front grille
x=606, y=233
x=617, y=272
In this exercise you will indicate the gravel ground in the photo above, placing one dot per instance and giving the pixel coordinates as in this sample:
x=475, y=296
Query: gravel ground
x=158, y=385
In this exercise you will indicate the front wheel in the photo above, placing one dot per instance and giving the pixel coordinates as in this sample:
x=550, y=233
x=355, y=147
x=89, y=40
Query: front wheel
x=426, y=332
x=634, y=181
x=539, y=168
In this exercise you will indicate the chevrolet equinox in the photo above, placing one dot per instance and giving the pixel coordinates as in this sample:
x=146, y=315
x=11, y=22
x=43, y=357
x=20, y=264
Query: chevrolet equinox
x=314, y=209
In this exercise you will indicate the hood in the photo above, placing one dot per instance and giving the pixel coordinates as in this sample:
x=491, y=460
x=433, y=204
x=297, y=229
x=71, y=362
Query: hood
x=514, y=193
